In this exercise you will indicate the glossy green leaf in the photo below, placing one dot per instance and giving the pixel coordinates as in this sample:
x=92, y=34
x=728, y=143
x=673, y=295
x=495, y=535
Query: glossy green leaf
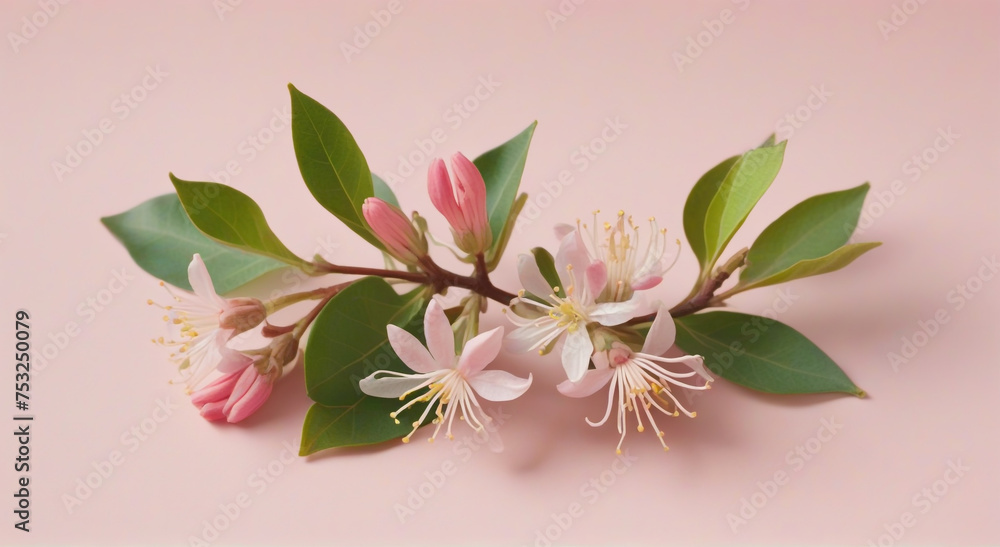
x=331, y=162
x=812, y=229
x=816, y=266
x=696, y=207
x=742, y=188
x=364, y=422
x=383, y=192
x=161, y=239
x=502, y=168
x=495, y=253
x=349, y=341
x=547, y=267
x=231, y=217
x=761, y=354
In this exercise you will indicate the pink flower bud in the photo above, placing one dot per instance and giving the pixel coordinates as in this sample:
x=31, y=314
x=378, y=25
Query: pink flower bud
x=395, y=231
x=462, y=204
x=249, y=393
x=242, y=314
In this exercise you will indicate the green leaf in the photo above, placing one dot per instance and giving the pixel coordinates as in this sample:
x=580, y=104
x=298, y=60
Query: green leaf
x=331, y=162
x=495, y=253
x=742, y=188
x=761, y=354
x=383, y=192
x=769, y=141
x=349, y=341
x=364, y=422
x=231, y=217
x=812, y=229
x=161, y=239
x=502, y=168
x=696, y=207
x=547, y=267
x=816, y=266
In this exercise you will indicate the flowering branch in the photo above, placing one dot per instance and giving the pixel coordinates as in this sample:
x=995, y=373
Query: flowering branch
x=579, y=302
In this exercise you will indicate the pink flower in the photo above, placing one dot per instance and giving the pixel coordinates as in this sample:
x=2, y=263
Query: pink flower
x=206, y=321
x=234, y=396
x=395, y=231
x=452, y=382
x=639, y=379
x=464, y=205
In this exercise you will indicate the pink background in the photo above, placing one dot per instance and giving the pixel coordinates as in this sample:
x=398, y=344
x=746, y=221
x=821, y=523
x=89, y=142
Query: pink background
x=887, y=100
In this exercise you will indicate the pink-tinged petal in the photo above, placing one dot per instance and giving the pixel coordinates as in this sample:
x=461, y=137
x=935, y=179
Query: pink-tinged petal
x=201, y=282
x=592, y=381
x=531, y=277
x=562, y=230
x=661, y=333
x=443, y=195
x=213, y=411
x=576, y=354
x=410, y=350
x=597, y=278
x=610, y=314
x=390, y=387
x=243, y=385
x=232, y=360
x=217, y=391
x=498, y=385
x=600, y=360
x=251, y=401
x=480, y=351
x=440, y=337
x=572, y=251
x=646, y=282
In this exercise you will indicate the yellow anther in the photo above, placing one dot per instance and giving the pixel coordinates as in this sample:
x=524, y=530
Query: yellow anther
x=694, y=414
x=406, y=439
x=640, y=428
x=618, y=451
x=150, y=302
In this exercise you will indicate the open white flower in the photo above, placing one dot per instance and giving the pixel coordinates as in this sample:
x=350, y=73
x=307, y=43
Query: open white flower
x=452, y=382
x=545, y=316
x=206, y=322
x=639, y=379
x=629, y=266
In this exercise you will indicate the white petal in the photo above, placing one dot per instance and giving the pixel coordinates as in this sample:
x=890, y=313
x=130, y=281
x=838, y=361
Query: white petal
x=531, y=277
x=389, y=387
x=610, y=314
x=592, y=381
x=498, y=385
x=523, y=339
x=201, y=282
x=480, y=351
x=410, y=350
x=576, y=354
x=440, y=338
x=661, y=334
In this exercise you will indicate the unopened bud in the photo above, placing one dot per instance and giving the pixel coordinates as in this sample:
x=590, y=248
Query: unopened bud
x=242, y=314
